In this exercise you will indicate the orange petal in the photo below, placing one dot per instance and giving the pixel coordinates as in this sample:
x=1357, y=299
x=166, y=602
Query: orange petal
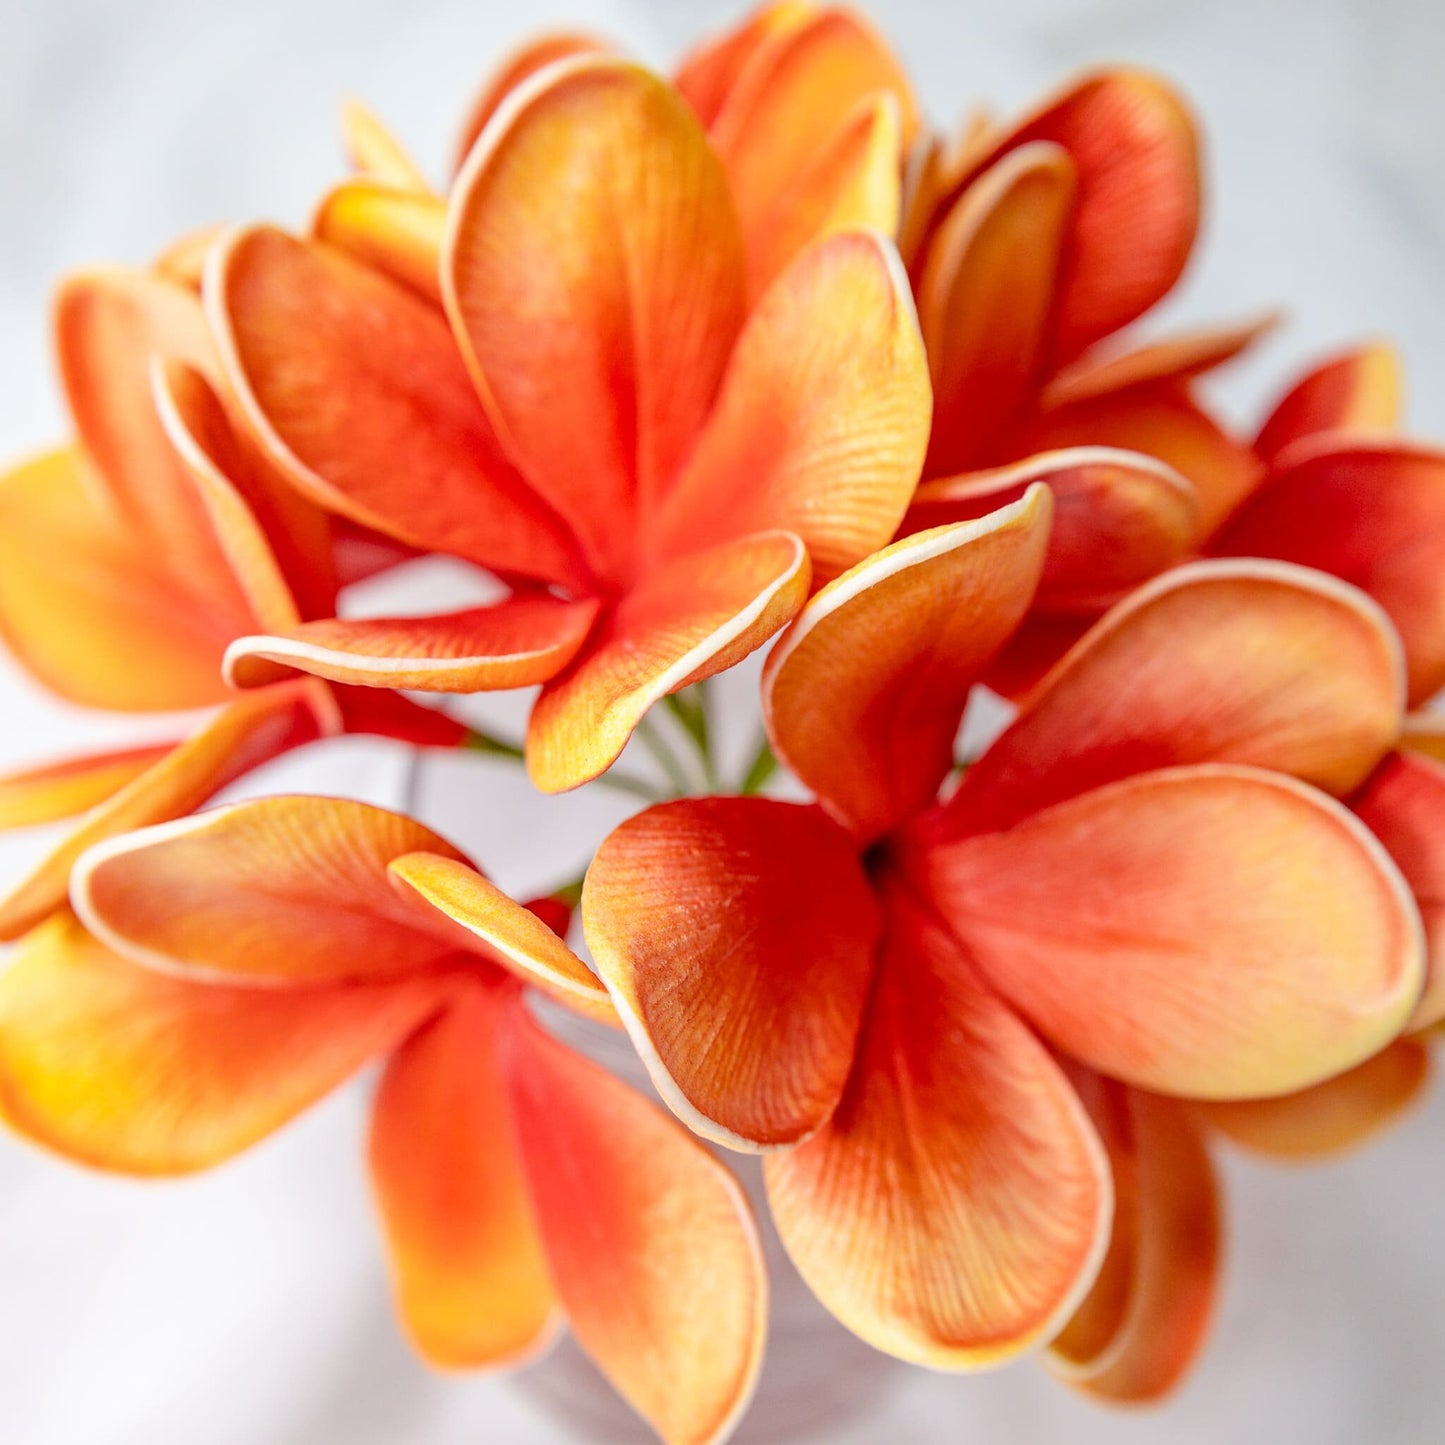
x=53, y=791
x=1370, y=512
x=237, y=739
x=736, y=937
x=863, y=696
x=1340, y=1114
x=513, y=937
x=823, y=417
x=340, y=371
x=985, y=299
x=386, y=714
x=1175, y=359
x=1161, y=421
x=278, y=891
x=1403, y=805
x=596, y=328
x=689, y=619
x=1143, y=1323
x=1359, y=390
x=87, y=610
x=467, y=1262
x=652, y=1246
x=521, y=65
x=514, y=643
x=1035, y=650
x=1241, y=662
x=184, y=259
x=129, y=1070
x=709, y=73
x=376, y=152
x=391, y=229
x=1424, y=732
x=1212, y=932
x=956, y=1206
x=1119, y=518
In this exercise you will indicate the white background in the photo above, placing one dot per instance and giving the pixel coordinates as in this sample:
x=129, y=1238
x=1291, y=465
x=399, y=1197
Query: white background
x=249, y=1307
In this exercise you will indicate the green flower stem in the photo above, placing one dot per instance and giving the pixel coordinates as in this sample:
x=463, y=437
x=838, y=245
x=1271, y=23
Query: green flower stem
x=655, y=741
x=762, y=767
x=692, y=707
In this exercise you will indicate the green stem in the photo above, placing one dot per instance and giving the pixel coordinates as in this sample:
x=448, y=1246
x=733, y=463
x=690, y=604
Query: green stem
x=652, y=738
x=762, y=767
x=619, y=782
x=692, y=707
x=569, y=894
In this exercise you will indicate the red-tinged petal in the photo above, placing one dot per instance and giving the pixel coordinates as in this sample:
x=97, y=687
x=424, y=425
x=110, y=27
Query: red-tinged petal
x=242, y=736
x=1175, y=359
x=689, y=619
x=520, y=66
x=126, y=1069
x=863, y=696
x=382, y=713
x=853, y=183
x=87, y=610
x=391, y=229
x=1144, y=1321
x=1212, y=932
x=985, y=298
x=1161, y=421
x=274, y=891
x=1338, y=1115
x=1370, y=512
x=1403, y=805
x=1035, y=650
x=1359, y=390
x=956, y=1206
x=710, y=73
x=511, y=935
x=736, y=937
x=593, y=273
x=555, y=913
x=467, y=1263
x=823, y=417
x=361, y=553
x=1120, y=518
x=1237, y=662
x=514, y=643
x=53, y=791
x=375, y=151
x=652, y=1247
x=342, y=373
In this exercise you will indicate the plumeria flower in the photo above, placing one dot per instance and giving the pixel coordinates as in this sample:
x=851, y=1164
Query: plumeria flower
x=1145, y=878
x=131, y=558
x=598, y=418
x=234, y=967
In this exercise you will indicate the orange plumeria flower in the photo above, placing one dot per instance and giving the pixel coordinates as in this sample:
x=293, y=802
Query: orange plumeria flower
x=1144, y=876
x=603, y=422
x=132, y=558
x=242, y=963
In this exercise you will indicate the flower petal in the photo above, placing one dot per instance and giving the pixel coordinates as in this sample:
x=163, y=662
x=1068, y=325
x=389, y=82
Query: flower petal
x=736, y=938
x=242, y=736
x=1370, y=512
x=375, y=151
x=513, y=937
x=956, y=1206
x=652, y=1247
x=691, y=618
x=1143, y=1323
x=391, y=229
x=58, y=790
x=513, y=643
x=1213, y=932
x=1359, y=390
x=467, y=1262
x=1120, y=518
x=340, y=371
x=274, y=891
x=593, y=273
x=864, y=694
x=985, y=300
x=710, y=72
x=1240, y=662
x=129, y=1070
x=823, y=416
x=1340, y=1114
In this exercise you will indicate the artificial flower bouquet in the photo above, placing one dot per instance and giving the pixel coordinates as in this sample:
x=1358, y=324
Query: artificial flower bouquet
x=748, y=357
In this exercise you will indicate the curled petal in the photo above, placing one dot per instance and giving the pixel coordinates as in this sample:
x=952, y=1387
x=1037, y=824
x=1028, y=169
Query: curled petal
x=711, y=72
x=184, y=259
x=864, y=695
x=736, y=938
x=1213, y=932
x=392, y=229
x=956, y=1206
x=689, y=619
x=53, y=791
x=376, y=152
x=126, y=1069
x=1359, y=390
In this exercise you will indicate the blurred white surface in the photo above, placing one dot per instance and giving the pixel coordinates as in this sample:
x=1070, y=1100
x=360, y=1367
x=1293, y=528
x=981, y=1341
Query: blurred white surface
x=249, y=1307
